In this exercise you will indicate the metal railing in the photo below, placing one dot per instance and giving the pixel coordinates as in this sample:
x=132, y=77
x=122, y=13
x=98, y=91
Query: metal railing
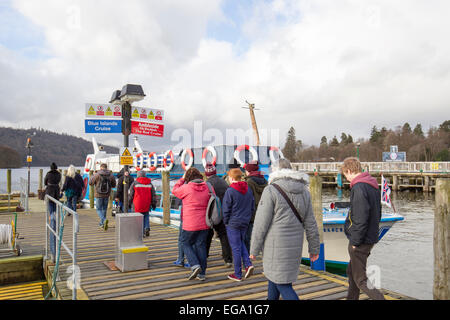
x=62, y=211
x=24, y=201
x=411, y=167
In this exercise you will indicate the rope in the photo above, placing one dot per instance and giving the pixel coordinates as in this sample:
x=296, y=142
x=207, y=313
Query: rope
x=6, y=234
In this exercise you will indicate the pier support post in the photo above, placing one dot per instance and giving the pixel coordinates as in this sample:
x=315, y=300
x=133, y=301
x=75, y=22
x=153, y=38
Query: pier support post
x=8, y=187
x=441, y=241
x=166, y=197
x=395, y=183
x=91, y=191
x=426, y=184
x=315, y=188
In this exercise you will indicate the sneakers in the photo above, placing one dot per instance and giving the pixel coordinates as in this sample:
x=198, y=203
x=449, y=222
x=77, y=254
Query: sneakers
x=249, y=271
x=194, y=273
x=147, y=232
x=187, y=265
x=105, y=225
x=201, y=277
x=178, y=264
x=228, y=264
x=234, y=278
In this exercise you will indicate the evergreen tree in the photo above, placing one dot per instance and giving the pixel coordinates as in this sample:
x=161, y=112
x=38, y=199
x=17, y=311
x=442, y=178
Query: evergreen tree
x=375, y=135
x=334, y=142
x=344, y=139
x=418, y=131
x=445, y=126
x=406, y=129
x=323, y=141
x=291, y=146
x=349, y=139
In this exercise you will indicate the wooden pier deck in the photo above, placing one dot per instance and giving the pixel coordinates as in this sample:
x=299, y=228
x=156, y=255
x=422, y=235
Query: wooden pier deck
x=161, y=280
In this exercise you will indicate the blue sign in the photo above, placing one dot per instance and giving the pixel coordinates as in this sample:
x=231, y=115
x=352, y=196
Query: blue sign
x=103, y=126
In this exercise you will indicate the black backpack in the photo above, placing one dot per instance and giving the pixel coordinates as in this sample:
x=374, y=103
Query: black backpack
x=104, y=186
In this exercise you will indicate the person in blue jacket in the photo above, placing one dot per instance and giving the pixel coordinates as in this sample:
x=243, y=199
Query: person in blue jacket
x=238, y=206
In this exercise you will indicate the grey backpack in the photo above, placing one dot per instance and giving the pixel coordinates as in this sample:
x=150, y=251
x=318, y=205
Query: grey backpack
x=214, y=209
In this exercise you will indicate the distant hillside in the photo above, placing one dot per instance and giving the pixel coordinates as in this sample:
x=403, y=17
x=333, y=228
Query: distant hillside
x=48, y=147
x=9, y=158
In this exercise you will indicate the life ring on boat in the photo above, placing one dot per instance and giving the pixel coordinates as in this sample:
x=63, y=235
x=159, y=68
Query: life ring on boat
x=249, y=149
x=138, y=166
x=272, y=155
x=88, y=165
x=183, y=158
x=209, y=149
x=165, y=166
x=150, y=165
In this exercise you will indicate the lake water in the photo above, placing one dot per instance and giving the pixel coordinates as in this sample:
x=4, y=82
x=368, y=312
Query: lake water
x=404, y=255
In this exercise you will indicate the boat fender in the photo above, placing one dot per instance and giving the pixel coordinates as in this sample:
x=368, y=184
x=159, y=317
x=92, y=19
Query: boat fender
x=183, y=158
x=88, y=165
x=205, y=153
x=249, y=149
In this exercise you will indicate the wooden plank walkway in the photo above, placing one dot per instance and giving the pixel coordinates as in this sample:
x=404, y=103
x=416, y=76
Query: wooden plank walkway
x=161, y=280
x=23, y=291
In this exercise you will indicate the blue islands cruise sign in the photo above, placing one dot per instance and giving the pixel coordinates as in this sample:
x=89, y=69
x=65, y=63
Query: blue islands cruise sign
x=103, y=126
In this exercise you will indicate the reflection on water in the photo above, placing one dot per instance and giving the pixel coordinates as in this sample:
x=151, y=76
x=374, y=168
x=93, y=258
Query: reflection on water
x=405, y=254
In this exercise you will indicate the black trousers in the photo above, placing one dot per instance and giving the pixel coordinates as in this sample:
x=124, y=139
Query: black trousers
x=222, y=233
x=356, y=272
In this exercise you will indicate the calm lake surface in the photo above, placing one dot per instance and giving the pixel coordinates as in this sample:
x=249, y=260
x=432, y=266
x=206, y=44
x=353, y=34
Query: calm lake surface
x=405, y=254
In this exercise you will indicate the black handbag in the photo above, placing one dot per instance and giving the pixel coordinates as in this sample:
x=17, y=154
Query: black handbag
x=289, y=202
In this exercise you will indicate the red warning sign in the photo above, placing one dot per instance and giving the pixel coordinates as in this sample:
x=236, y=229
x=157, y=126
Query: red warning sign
x=147, y=129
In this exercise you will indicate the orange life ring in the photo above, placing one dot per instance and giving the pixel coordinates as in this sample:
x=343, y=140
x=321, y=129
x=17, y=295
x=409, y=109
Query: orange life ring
x=183, y=157
x=205, y=153
x=248, y=148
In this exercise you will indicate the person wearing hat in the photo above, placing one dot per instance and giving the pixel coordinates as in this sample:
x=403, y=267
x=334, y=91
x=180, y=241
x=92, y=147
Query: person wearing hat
x=143, y=198
x=256, y=182
x=220, y=187
x=124, y=177
x=51, y=182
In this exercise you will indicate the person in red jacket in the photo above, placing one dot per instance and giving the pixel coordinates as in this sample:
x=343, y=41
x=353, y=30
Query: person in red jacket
x=194, y=194
x=143, y=198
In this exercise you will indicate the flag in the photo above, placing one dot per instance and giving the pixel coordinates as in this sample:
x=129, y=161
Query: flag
x=385, y=192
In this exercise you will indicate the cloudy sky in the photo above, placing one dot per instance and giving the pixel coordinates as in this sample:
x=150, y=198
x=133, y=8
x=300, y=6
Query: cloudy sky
x=323, y=66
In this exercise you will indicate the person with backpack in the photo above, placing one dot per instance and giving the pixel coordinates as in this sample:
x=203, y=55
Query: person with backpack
x=238, y=206
x=71, y=188
x=103, y=182
x=51, y=182
x=195, y=196
x=256, y=182
x=143, y=198
x=80, y=183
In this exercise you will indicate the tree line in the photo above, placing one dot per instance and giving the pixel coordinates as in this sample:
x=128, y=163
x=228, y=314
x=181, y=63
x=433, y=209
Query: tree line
x=434, y=145
x=48, y=147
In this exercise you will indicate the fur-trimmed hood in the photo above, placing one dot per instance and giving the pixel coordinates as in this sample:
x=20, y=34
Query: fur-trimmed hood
x=289, y=174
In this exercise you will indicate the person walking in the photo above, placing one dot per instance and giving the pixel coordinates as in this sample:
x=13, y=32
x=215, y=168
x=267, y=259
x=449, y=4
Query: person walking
x=220, y=187
x=72, y=189
x=194, y=194
x=143, y=198
x=278, y=233
x=361, y=227
x=123, y=177
x=238, y=206
x=51, y=181
x=103, y=182
x=80, y=182
x=256, y=182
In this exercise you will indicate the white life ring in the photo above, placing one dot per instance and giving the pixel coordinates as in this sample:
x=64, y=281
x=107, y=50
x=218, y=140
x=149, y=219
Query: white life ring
x=137, y=165
x=88, y=165
x=183, y=158
x=165, y=166
x=151, y=156
x=272, y=155
x=248, y=148
x=205, y=153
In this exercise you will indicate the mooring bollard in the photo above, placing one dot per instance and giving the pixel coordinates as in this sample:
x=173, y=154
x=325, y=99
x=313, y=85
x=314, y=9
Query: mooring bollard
x=441, y=241
x=91, y=190
x=166, y=197
x=315, y=188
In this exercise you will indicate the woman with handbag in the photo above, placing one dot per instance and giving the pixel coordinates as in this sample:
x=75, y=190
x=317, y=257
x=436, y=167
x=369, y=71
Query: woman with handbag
x=284, y=213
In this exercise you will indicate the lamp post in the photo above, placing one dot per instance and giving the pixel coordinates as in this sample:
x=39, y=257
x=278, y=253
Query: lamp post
x=130, y=93
x=29, y=145
x=357, y=149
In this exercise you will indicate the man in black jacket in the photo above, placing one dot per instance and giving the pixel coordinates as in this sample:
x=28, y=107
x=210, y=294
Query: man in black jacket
x=51, y=181
x=220, y=187
x=122, y=175
x=361, y=227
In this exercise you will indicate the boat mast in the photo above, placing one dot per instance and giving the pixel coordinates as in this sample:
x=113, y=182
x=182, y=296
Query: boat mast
x=252, y=109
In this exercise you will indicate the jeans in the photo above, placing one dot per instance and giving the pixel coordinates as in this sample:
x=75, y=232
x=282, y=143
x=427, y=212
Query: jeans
x=72, y=203
x=101, y=205
x=194, y=245
x=52, y=210
x=236, y=238
x=248, y=236
x=356, y=272
x=180, y=245
x=286, y=291
x=146, y=220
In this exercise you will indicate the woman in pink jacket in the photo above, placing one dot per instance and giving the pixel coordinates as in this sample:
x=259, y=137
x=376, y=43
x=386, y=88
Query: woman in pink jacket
x=194, y=193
